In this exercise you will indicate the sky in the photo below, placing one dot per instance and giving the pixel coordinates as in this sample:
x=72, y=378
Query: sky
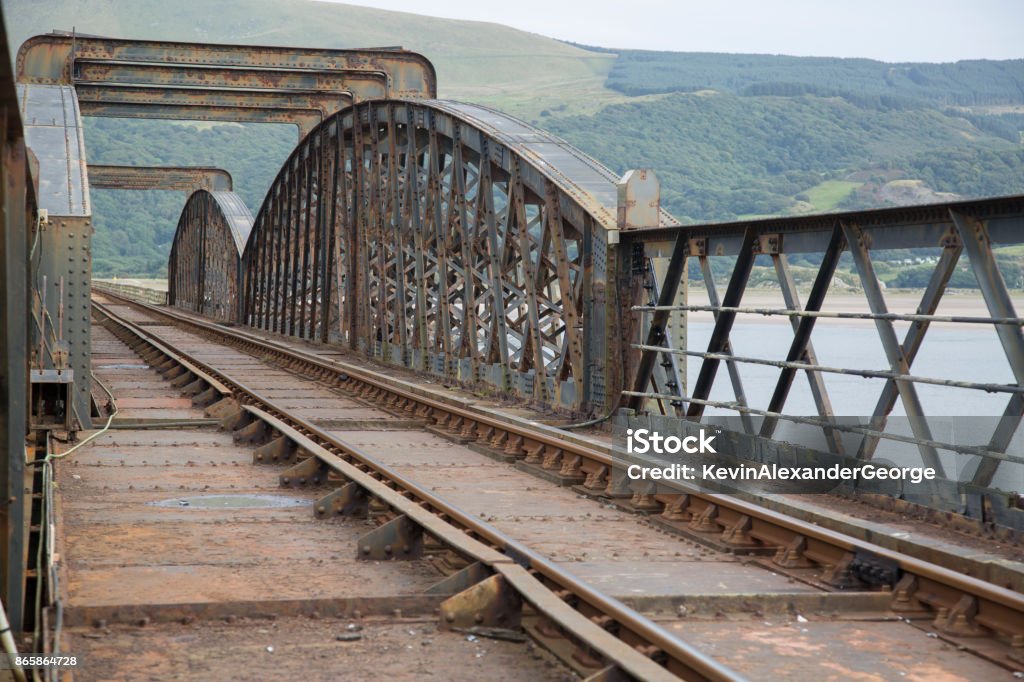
x=888, y=30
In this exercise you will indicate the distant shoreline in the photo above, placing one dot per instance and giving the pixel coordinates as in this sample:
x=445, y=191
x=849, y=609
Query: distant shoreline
x=958, y=302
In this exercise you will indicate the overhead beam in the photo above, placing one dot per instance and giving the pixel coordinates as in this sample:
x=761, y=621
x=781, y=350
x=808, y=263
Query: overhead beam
x=304, y=109
x=305, y=120
x=325, y=103
x=48, y=59
x=361, y=84
x=174, y=178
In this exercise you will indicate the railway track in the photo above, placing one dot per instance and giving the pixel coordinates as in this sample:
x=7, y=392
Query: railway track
x=719, y=579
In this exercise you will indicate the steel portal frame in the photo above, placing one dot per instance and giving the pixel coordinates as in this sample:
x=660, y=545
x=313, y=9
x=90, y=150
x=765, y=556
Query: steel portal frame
x=194, y=81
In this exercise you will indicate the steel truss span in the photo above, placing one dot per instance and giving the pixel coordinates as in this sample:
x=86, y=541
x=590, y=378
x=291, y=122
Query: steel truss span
x=442, y=237
x=206, y=255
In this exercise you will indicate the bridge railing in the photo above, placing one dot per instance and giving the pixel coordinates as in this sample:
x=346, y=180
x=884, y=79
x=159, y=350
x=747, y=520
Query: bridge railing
x=868, y=402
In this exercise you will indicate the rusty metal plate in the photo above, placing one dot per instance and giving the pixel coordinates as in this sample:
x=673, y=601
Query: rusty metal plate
x=823, y=651
x=303, y=648
x=121, y=548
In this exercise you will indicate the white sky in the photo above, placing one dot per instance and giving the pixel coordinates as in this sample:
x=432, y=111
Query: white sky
x=889, y=30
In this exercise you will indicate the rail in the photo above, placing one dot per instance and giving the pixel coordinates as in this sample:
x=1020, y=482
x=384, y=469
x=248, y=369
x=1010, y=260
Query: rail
x=953, y=598
x=478, y=540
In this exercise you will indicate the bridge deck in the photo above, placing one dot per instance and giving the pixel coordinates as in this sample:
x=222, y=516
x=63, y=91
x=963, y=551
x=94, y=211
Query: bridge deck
x=994, y=560
x=182, y=558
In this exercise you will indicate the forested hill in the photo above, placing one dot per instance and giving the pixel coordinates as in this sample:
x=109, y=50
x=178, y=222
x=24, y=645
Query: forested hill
x=964, y=83
x=736, y=135
x=720, y=156
x=731, y=136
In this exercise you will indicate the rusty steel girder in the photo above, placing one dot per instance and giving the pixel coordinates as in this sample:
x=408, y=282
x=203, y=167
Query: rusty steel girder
x=18, y=194
x=304, y=120
x=204, y=267
x=98, y=99
x=447, y=238
x=175, y=178
x=149, y=79
x=48, y=59
x=364, y=84
x=303, y=109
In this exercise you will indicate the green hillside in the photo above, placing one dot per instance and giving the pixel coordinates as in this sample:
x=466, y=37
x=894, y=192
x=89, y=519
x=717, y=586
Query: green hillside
x=720, y=156
x=476, y=61
x=134, y=230
x=965, y=83
x=730, y=135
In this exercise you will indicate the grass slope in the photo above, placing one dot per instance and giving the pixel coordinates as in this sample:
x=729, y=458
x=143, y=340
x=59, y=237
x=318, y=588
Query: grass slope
x=964, y=83
x=481, y=62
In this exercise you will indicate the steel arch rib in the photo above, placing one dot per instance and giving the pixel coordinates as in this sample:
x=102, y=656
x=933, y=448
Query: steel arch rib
x=444, y=237
x=204, y=270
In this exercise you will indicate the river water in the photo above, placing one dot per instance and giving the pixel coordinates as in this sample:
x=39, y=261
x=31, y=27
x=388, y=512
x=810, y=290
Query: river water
x=961, y=352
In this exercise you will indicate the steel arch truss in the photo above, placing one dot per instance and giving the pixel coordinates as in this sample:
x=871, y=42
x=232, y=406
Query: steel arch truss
x=419, y=235
x=204, y=269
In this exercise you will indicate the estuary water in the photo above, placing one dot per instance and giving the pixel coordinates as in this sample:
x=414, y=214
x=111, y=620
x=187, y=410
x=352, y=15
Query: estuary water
x=950, y=351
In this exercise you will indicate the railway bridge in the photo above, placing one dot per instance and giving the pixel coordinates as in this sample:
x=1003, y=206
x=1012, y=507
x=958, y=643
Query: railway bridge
x=432, y=338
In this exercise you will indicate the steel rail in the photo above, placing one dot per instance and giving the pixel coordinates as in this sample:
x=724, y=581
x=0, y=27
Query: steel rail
x=951, y=595
x=641, y=634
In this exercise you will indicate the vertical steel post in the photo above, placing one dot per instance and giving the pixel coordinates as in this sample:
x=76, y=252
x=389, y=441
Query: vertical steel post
x=723, y=325
x=18, y=206
x=656, y=332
